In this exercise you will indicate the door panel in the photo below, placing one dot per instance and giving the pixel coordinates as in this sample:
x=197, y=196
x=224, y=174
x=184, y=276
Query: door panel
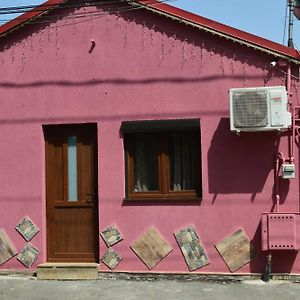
x=71, y=188
x=73, y=221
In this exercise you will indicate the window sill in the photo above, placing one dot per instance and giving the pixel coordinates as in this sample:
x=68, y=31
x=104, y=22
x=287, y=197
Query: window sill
x=162, y=199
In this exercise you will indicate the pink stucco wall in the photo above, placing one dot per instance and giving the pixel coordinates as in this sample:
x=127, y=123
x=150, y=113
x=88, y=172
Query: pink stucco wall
x=143, y=66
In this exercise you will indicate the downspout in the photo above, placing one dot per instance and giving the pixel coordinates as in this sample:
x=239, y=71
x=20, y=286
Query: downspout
x=279, y=155
x=280, y=159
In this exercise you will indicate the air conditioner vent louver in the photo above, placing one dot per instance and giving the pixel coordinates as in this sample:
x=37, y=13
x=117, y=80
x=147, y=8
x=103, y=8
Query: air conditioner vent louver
x=259, y=109
x=250, y=109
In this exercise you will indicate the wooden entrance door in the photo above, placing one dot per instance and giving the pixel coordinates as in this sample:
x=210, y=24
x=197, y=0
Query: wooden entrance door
x=71, y=192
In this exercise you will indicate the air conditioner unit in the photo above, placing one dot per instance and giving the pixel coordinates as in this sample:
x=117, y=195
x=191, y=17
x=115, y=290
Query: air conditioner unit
x=259, y=109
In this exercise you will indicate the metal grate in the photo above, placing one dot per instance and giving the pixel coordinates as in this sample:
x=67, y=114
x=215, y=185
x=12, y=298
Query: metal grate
x=250, y=109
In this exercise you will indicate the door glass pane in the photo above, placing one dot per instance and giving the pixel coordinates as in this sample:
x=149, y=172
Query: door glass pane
x=182, y=161
x=72, y=168
x=145, y=163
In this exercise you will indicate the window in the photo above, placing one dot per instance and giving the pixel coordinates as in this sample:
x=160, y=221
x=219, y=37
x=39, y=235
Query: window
x=162, y=159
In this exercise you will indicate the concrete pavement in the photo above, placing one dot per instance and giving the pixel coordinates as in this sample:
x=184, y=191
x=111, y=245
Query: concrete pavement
x=25, y=288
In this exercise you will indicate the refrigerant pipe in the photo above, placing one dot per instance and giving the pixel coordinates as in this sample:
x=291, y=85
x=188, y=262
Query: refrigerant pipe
x=279, y=157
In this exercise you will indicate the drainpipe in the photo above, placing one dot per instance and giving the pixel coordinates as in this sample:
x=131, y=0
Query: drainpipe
x=267, y=274
x=279, y=156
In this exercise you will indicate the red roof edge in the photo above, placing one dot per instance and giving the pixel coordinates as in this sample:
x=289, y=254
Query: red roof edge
x=178, y=13
x=38, y=10
x=222, y=28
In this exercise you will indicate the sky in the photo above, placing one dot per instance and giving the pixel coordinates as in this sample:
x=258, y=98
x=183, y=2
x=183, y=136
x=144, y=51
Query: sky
x=265, y=18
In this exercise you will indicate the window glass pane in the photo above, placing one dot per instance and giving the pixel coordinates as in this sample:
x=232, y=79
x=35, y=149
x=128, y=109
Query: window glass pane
x=145, y=163
x=182, y=161
x=72, y=168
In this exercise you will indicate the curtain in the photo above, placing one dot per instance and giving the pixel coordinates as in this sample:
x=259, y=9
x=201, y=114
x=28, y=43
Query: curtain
x=181, y=158
x=145, y=163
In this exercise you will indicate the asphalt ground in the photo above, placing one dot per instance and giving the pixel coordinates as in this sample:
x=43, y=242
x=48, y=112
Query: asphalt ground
x=23, y=288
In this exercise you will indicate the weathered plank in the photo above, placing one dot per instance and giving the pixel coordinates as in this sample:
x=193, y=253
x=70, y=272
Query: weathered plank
x=151, y=248
x=236, y=250
x=7, y=248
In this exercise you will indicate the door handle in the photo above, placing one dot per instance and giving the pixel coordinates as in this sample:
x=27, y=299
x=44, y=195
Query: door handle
x=94, y=196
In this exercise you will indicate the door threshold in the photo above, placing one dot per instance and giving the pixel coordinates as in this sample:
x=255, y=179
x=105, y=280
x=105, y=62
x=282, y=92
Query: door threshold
x=68, y=271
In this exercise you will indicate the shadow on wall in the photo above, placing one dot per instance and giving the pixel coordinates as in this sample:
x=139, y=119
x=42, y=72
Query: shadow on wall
x=258, y=264
x=240, y=164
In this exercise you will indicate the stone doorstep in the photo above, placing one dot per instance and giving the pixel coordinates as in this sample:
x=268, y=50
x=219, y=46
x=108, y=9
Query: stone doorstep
x=68, y=271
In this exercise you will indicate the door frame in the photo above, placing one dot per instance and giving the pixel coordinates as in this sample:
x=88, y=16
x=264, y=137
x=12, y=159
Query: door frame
x=66, y=127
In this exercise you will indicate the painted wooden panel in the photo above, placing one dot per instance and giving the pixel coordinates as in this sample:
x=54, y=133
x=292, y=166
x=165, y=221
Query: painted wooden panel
x=28, y=255
x=111, y=258
x=151, y=248
x=72, y=235
x=111, y=235
x=27, y=228
x=236, y=250
x=192, y=248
